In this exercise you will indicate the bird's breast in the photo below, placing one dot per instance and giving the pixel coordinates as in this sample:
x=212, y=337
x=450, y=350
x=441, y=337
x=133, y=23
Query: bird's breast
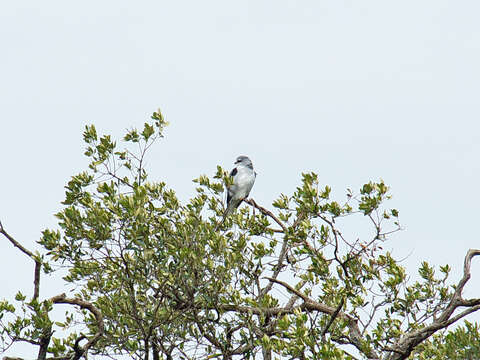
x=243, y=181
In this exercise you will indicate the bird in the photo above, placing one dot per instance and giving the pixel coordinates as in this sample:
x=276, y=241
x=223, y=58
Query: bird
x=243, y=179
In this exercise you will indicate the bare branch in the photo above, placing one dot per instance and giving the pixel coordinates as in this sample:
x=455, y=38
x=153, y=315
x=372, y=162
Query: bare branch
x=267, y=213
x=38, y=263
x=80, y=351
x=294, y=297
x=16, y=243
x=36, y=279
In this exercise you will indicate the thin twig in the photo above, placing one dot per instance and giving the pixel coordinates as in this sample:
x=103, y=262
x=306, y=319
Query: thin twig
x=283, y=251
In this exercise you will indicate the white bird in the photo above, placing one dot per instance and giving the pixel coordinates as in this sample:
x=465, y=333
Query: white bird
x=243, y=179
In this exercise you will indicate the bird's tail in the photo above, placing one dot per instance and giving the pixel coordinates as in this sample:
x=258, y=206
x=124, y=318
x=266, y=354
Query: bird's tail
x=230, y=208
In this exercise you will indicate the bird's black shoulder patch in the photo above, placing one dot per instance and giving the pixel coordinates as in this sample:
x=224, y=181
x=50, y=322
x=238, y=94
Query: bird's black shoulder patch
x=233, y=172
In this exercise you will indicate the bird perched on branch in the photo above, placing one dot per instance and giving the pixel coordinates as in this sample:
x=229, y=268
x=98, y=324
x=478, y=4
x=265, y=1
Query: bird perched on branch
x=243, y=178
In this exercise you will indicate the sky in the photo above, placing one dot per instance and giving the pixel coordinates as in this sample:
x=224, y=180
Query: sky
x=354, y=91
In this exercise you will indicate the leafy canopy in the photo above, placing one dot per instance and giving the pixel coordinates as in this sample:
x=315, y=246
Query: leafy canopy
x=305, y=279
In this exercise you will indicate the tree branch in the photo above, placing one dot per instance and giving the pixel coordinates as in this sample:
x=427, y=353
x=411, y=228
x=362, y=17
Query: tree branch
x=79, y=350
x=38, y=263
x=16, y=243
x=283, y=251
x=44, y=342
x=332, y=318
x=404, y=346
x=266, y=212
x=352, y=323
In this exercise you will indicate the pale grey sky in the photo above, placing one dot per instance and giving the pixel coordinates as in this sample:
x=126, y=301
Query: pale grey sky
x=353, y=90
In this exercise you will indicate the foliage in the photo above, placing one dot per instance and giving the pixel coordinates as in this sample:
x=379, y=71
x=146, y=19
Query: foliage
x=308, y=279
x=463, y=343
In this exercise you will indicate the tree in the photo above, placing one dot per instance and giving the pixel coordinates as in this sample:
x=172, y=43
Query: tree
x=304, y=279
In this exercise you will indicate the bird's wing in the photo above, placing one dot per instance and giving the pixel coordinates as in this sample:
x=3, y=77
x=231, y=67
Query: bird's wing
x=229, y=195
x=230, y=188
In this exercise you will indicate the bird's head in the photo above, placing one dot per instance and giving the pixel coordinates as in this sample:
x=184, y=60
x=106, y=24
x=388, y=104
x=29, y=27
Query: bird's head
x=244, y=160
